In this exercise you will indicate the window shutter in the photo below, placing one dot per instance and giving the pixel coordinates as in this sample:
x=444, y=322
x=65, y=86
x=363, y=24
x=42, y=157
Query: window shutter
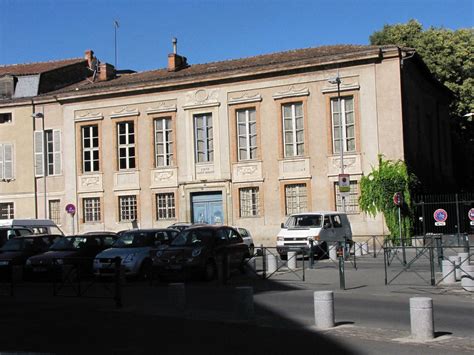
x=1, y=161
x=39, y=146
x=57, y=151
x=8, y=161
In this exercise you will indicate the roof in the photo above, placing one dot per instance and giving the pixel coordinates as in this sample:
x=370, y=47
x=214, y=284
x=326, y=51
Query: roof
x=37, y=68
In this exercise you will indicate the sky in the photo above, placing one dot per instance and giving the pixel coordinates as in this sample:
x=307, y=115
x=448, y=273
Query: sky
x=207, y=30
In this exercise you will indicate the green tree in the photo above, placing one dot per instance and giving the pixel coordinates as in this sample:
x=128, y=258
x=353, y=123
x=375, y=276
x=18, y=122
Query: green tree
x=378, y=188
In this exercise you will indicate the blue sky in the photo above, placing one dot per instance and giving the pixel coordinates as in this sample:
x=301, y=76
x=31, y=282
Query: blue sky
x=207, y=30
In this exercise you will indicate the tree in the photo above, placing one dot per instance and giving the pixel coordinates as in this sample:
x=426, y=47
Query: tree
x=378, y=188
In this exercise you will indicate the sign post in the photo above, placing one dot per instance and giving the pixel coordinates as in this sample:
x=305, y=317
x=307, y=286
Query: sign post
x=398, y=201
x=71, y=209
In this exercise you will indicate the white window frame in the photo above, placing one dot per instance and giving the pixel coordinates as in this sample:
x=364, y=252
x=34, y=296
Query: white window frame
x=51, y=150
x=300, y=196
x=10, y=210
x=91, y=149
x=336, y=129
x=207, y=138
x=128, y=210
x=127, y=146
x=165, y=205
x=6, y=162
x=163, y=125
x=293, y=130
x=249, y=201
x=91, y=209
x=250, y=151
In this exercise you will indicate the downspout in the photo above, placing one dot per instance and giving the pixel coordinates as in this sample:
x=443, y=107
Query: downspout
x=35, y=187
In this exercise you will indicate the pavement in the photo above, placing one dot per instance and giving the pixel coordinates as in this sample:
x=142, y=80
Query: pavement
x=371, y=318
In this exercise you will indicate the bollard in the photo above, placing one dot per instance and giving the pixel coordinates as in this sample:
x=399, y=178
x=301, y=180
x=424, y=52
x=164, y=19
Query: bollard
x=357, y=249
x=421, y=318
x=177, y=295
x=464, y=262
x=449, y=276
x=291, y=260
x=324, y=309
x=271, y=264
x=333, y=252
x=456, y=261
x=467, y=280
x=243, y=303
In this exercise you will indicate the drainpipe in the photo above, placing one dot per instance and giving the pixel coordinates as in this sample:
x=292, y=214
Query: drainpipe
x=35, y=187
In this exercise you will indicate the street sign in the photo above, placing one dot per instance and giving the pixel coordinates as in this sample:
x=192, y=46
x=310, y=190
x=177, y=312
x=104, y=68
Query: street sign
x=398, y=198
x=470, y=214
x=344, y=185
x=70, y=208
x=440, y=217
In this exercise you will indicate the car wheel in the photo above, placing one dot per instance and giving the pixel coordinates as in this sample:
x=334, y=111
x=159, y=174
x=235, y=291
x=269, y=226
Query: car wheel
x=210, y=270
x=145, y=270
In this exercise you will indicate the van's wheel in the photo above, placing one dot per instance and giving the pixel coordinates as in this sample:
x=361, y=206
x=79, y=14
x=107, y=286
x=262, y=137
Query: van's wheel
x=210, y=270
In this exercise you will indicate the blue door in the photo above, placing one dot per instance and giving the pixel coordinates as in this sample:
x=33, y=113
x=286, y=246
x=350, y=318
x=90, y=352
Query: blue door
x=207, y=208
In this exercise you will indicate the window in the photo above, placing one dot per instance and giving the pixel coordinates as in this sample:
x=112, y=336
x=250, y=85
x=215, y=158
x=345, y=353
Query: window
x=249, y=202
x=126, y=145
x=352, y=201
x=50, y=148
x=5, y=117
x=247, y=134
x=91, y=209
x=163, y=142
x=336, y=221
x=6, y=161
x=90, y=148
x=204, y=143
x=165, y=206
x=296, y=198
x=347, y=124
x=127, y=208
x=7, y=210
x=293, y=130
x=55, y=211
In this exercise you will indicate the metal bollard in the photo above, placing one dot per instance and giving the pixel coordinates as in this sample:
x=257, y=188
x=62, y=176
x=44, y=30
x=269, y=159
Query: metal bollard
x=324, y=309
x=357, y=249
x=456, y=260
x=271, y=264
x=177, y=295
x=421, y=318
x=291, y=260
x=365, y=248
x=243, y=303
x=467, y=280
x=449, y=277
x=464, y=262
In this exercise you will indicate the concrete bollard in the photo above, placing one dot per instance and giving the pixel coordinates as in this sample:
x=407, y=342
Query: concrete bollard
x=177, y=295
x=449, y=276
x=333, y=252
x=271, y=263
x=324, y=309
x=456, y=260
x=365, y=248
x=243, y=303
x=291, y=260
x=421, y=318
x=358, y=249
x=467, y=280
x=464, y=262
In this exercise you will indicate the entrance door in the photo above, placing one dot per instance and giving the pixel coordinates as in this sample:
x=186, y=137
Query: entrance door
x=207, y=208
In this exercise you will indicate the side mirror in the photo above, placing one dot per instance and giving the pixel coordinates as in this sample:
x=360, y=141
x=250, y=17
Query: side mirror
x=282, y=225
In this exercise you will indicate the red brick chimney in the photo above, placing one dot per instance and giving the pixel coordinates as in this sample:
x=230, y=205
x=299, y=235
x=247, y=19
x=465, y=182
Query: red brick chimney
x=175, y=61
x=89, y=56
x=106, y=71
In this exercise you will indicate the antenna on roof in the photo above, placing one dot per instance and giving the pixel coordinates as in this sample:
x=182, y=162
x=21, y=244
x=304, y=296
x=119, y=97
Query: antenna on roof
x=116, y=26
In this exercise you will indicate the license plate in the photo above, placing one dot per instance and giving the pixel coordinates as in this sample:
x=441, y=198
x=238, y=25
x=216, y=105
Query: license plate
x=39, y=269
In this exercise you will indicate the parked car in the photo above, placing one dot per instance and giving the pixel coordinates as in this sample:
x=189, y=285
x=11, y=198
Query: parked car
x=183, y=225
x=77, y=250
x=17, y=250
x=133, y=248
x=9, y=232
x=198, y=250
x=248, y=240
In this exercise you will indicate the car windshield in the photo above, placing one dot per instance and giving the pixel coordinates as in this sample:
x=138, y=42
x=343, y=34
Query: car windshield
x=304, y=221
x=17, y=244
x=193, y=237
x=68, y=243
x=134, y=240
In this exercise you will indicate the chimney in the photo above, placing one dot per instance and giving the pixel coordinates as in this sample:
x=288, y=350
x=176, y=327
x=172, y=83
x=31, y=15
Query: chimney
x=89, y=56
x=106, y=71
x=175, y=61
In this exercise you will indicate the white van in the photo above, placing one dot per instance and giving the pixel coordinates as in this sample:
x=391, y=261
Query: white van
x=323, y=228
x=38, y=226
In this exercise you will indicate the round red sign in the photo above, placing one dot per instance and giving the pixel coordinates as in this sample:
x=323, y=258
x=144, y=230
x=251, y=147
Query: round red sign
x=440, y=215
x=397, y=198
x=471, y=214
x=70, y=208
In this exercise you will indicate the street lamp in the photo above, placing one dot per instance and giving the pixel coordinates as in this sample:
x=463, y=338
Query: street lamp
x=337, y=81
x=45, y=164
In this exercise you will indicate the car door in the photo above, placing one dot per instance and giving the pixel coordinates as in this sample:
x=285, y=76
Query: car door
x=339, y=232
x=237, y=247
x=327, y=232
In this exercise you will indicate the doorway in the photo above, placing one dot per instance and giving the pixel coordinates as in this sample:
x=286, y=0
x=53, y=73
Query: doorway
x=207, y=208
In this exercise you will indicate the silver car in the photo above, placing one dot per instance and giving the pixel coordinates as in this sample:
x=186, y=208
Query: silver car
x=247, y=237
x=133, y=248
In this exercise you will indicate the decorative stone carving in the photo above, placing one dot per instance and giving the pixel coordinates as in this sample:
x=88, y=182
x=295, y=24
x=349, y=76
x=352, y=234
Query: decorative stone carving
x=161, y=106
x=294, y=168
x=127, y=180
x=247, y=172
x=201, y=98
x=292, y=91
x=245, y=97
x=89, y=182
x=124, y=112
x=88, y=116
x=348, y=162
x=344, y=86
x=352, y=165
x=164, y=177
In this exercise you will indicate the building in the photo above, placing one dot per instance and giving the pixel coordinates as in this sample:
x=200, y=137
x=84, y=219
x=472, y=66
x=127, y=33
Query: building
x=243, y=142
